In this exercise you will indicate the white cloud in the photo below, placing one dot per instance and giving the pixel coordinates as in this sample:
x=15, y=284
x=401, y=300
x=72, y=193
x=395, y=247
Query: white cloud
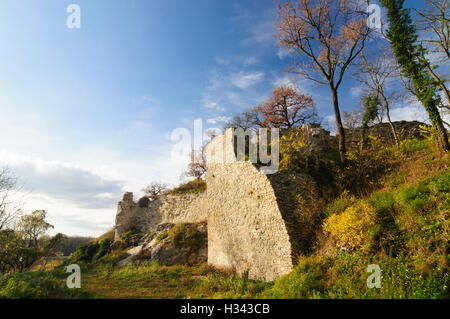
x=250, y=61
x=245, y=80
x=70, y=219
x=262, y=32
x=221, y=61
x=409, y=113
x=64, y=180
x=284, y=52
x=356, y=91
x=212, y=105
x=285, y=80
x=218, y=119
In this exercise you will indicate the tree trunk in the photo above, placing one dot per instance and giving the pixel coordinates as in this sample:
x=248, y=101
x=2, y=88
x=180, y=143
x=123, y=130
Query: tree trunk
x=386, y=106
x=340, y=127
x=439, y=81
x=436, y=120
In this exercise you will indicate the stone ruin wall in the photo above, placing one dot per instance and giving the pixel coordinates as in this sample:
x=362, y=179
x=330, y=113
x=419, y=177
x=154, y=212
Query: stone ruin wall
x=187, y=208
x=252, y=222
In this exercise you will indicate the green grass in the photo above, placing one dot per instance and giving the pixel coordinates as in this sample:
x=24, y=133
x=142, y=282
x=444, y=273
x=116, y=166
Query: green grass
x=345, y=275
x=161, y=236
x=193, y=187
x=187, y=235
x=38, y=285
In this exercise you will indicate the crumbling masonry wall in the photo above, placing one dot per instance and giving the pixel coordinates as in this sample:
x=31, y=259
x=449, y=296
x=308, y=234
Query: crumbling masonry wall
x=187, y=208
x=255, y=221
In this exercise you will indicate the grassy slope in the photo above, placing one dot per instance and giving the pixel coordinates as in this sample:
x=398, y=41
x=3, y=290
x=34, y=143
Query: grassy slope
x=412, y=208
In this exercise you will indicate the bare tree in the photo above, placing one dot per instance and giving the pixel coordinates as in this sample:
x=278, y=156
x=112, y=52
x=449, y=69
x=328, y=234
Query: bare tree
x=154, y=190
x=197, y=164
x=327, y=36
x=352, y=119
x=9, y=210
x=434, y=22
x=250, y=118
x=377, y=71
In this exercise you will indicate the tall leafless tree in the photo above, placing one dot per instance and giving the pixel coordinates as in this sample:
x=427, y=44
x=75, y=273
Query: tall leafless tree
x=377, y=72
x=9, y=208
x=327, y=37
x=434, y=23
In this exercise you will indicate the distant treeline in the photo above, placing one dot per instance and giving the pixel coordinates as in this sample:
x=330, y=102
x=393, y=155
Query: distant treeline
x=73, y=242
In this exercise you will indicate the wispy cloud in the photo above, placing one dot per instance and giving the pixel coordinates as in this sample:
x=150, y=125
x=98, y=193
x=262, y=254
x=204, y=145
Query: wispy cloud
x=218, y=119
x=356, y=91
x=262, y=32
x=251, y=60
x=64, y=181
x=283, y=53
x=244, y=80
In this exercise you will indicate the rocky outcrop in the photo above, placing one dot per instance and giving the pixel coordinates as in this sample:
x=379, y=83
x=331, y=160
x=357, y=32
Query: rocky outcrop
x=163, y=246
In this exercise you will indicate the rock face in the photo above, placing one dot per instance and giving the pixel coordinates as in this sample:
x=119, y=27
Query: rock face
x=165, y=250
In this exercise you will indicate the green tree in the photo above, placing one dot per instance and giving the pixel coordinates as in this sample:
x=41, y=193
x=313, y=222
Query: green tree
x=403, y=37
x=32, y=226
x=21, y=247
x=371, y=104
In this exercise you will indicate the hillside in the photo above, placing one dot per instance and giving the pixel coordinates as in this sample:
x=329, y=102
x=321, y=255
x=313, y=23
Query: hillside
x=389, y=207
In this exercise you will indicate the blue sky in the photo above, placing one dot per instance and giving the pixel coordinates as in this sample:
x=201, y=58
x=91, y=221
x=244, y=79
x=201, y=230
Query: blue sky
x=87, y=113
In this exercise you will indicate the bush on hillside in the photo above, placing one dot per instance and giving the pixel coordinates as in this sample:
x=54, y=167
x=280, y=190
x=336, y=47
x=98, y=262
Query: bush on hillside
x=195, y=186
x=187, y=235
x=351, y=228
x=37, y=284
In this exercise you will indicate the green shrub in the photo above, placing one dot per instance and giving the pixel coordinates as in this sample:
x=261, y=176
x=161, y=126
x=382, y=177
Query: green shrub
x=345, y=276
x=127, y=239
x=305, y=281
x=351, y=228
x=85, y=252
x=143, y=202
x=195, y=186
x=340, y=204
x=412, y=145
x=103, y=249
x=187, y=235
x=383, y=202
x=39, y=284
x=161, y=236
x=90, y=252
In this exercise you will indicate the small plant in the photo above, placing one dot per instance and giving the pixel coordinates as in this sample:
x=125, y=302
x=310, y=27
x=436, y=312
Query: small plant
x=187, y=235
x=339, y=205
x=161, y=236
x=351, y=227
x=144, y=202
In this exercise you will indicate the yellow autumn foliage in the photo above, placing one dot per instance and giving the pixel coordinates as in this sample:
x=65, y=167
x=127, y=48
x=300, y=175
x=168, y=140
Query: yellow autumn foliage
x=351, y=227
